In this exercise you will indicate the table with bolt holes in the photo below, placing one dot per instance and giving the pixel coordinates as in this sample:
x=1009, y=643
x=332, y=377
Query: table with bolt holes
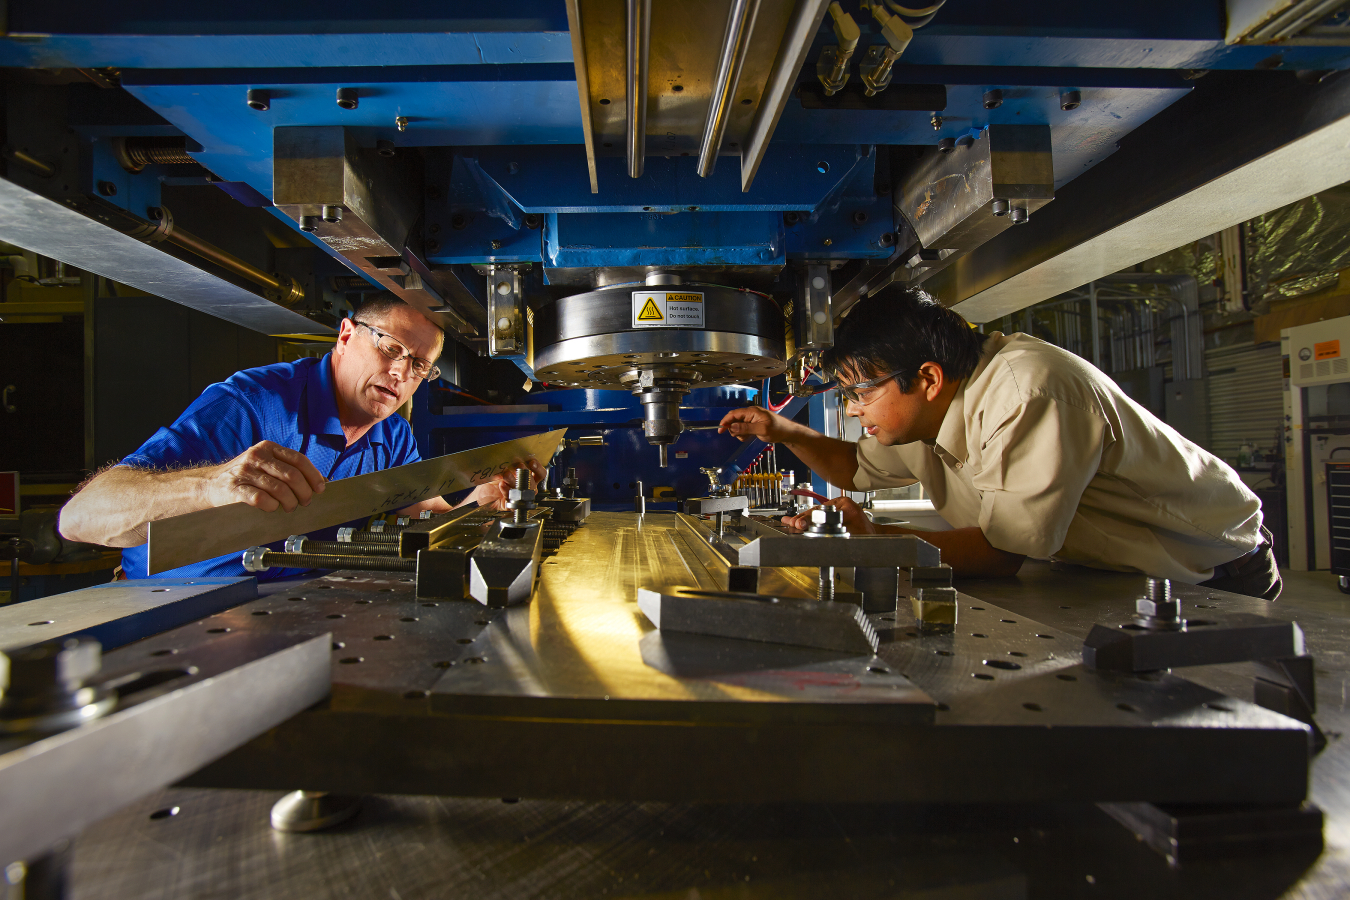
x=636, y=763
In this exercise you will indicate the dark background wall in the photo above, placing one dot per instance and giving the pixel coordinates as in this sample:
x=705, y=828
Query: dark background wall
x=152, y=358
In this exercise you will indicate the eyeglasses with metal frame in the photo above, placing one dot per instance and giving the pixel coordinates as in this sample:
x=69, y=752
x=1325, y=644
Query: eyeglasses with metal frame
x=850, y=391
x=395, y=352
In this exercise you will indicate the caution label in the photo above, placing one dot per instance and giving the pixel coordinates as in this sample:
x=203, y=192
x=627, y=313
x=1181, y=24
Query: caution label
x=667, y=309
x=1327, y=349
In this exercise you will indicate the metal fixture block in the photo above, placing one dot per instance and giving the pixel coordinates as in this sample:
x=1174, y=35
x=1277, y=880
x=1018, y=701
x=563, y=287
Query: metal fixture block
x=756, y=617
x=502, y=568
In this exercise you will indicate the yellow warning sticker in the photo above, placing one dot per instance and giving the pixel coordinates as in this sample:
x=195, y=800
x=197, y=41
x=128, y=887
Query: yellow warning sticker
x=667, y=309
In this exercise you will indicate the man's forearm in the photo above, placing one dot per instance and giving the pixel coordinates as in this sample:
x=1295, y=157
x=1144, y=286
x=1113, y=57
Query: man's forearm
x=114, y=508
x=834, y=460
x=966, y=550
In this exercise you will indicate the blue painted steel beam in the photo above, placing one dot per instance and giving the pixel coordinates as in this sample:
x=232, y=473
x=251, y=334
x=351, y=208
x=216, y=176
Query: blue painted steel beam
x=554, y=179
x=649, y=239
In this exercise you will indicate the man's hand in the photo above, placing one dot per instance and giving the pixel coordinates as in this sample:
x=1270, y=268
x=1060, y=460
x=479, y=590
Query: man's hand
x=855, y=520
x=494, y=493
x=266, y=475
x=756, y=421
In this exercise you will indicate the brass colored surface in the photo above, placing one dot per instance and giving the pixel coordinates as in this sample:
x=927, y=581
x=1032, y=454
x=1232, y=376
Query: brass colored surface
x=200, y=535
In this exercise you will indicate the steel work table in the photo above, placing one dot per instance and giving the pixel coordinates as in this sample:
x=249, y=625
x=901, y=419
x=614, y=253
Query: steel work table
x=886, y=842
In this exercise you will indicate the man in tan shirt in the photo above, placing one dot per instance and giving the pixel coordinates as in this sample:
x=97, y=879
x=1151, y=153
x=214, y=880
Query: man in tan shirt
x=1026, y=450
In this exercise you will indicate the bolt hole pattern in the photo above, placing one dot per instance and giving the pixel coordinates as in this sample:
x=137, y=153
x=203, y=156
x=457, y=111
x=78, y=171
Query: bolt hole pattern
x=336, y=616
x=1034, y=707
x=1048, y=637
x=977, y=634
x=1006, y=665
x=159, y=590
x=262, y=612
x=445, y=664
x=877, y=670
x=295, y=599
x=43, y=622
x=464, y=641
x=362, y=602
x=1008, y=621
x=1217, y=707
x=351, y=660
x=1016, y=653
x=983, y=676
x=167, y=812
x=430, y=604
x=165, y=652
x=943, y=652
x=216, y=630
x=384, y=637
x=408, y=619
x=1125, y=707
x=339, y=645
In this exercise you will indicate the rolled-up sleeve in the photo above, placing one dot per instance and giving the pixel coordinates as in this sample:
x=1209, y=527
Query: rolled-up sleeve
x=1035, y=465
x=880, y=467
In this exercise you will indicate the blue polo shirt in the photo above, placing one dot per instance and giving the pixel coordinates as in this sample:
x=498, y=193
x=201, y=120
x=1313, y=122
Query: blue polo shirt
x=291, y=404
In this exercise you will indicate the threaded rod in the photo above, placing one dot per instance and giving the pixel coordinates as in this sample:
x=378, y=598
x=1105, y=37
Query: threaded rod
x=272, y=559
x=341, y=548
x=372, y=537
x=826, y=591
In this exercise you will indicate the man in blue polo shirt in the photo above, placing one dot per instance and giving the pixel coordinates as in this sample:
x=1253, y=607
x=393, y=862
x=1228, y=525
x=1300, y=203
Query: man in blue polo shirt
x=272, y=437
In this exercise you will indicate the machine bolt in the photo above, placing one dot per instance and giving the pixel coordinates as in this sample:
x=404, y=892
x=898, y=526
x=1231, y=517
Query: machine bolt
x=332, y=214
x=107, y=188
x=993, y=99
x=347, y=98
x=309, y=223
x=1000, y=207
x=1158, y=610
x=259, y=99
x=1070, y=100
x=936, y=122
x=1020, y=215
x=401, y=122
x=385, y=148
x=947, y=145
x=496, y=245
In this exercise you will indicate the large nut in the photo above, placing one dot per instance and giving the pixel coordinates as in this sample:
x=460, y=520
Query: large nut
x=57, y=665
x=826, y=515
x=1158, y=609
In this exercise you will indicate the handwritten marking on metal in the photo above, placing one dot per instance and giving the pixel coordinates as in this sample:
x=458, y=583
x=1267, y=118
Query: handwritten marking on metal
x=208, y=533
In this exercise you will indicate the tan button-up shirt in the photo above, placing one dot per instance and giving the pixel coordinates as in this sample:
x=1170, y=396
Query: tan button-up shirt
x=1049, y=458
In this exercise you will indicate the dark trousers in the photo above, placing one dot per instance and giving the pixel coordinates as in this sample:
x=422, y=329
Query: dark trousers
x=1256, y=576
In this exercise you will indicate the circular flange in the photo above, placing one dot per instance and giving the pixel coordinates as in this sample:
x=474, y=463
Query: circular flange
x=587, y=340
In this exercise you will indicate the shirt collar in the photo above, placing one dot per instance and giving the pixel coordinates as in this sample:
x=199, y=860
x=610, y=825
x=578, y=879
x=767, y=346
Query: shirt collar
x=951, y=437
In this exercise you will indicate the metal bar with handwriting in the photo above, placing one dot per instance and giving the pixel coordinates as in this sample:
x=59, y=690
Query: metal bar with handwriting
x=207, y=533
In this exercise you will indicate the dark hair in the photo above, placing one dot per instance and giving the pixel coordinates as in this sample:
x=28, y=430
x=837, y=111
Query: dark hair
x=900, y=329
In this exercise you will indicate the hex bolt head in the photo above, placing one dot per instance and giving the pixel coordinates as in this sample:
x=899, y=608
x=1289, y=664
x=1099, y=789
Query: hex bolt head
x=56, y=666
x=1158, y=609
x=347, y=98
x=1070, y=100
x=993, y=99
x=259, y=99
